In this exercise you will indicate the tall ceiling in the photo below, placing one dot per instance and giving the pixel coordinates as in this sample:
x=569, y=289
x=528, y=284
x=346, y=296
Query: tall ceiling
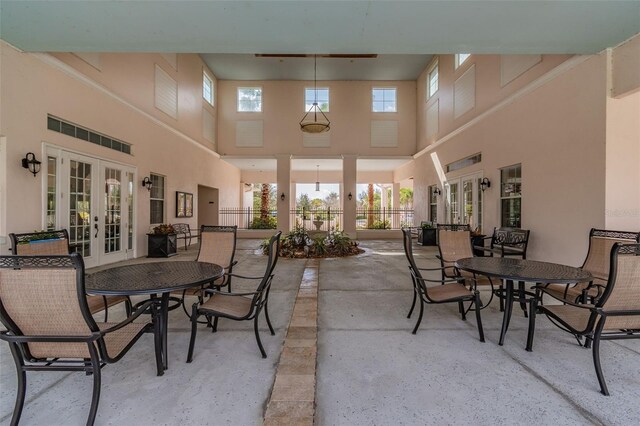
x=415, y=28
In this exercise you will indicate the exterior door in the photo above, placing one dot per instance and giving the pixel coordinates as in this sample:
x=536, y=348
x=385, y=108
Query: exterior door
x=96, y=205
x=464, y=201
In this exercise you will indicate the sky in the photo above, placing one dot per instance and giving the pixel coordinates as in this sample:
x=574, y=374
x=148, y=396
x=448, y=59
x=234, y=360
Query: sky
x=325, y=189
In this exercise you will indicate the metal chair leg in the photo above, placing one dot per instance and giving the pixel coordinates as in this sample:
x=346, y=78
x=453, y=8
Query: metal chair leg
x=501, y=289
x=95, y=398
x=266, y=314
x=596, y=357
x=194, y=330
x=478, y=317
x=214, y=328
x=533, y=305
x=461, y=309
x=255, y=329
x=521, y=296
x=415, y=329
x=22, y=384
x=413, y=304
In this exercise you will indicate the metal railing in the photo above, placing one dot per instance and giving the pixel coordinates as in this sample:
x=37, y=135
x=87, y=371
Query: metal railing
x=383, y=218
x=248, y=218
x=321, y=219
x=317, y=219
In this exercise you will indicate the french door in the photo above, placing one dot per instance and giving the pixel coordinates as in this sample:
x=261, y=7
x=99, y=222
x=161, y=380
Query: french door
x=464, y=201
x=96, y=205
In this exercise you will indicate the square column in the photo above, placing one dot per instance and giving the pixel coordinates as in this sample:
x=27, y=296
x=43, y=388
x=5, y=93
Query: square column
x=284, y=186
x=395, y=205
x=349, y=175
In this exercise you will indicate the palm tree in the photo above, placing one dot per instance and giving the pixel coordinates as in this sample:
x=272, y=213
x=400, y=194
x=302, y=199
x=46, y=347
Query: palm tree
x=406, y=198
x=264, y=201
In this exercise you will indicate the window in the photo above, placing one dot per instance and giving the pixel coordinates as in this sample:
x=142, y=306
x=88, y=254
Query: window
x=207, y=88
x=461, y=57
x=52, y=192
x=249, y=99
x=384, y=100
x=157, y=199
x=321, y=96
x=432, y=80
x=433, y=204
x=511, y=196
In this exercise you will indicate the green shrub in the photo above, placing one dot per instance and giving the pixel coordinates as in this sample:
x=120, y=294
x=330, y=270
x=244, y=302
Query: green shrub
x=266, y=223
x=379, y=224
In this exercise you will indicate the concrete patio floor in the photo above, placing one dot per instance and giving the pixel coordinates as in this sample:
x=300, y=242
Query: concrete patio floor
x=370, y=368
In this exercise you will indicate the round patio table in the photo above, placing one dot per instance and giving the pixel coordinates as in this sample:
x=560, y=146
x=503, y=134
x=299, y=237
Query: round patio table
x=154, y=279
x=510, y=270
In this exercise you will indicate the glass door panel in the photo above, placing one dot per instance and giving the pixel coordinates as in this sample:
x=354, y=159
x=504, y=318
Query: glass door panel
x=80, y=207
x=112, y=210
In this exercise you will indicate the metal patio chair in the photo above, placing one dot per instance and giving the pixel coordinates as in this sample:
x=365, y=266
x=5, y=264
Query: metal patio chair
x=57, y=243
x=450, y=290
x=52, y=329
x=601, y=241
x=454, y=245
x=615, y=315
x=239, y=306
x=217, y=245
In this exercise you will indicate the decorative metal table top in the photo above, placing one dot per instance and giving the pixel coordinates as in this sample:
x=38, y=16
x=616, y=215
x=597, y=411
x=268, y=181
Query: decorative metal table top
x=152, y=277
x=524, y=270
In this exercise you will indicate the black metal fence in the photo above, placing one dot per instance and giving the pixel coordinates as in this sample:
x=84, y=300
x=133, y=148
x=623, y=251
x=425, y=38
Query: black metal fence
x=383, y=218
x=248, y=218
x=318, y=219
x=321, y=219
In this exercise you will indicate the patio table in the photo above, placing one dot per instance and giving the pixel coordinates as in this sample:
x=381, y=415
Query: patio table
x=154, y=279
x=510, y=270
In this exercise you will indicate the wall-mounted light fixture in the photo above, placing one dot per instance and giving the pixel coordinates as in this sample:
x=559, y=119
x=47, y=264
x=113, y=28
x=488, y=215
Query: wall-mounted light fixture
x=484, y=184
x=146, y=182
x=282, y=196
x=318, y=177
x=350, y=196
x=437, y=191
x=30, y=163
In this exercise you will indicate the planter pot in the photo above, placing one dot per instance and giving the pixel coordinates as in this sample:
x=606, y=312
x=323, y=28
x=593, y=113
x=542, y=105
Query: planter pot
x=318, y=224
x=161, y=245
x=427, y=237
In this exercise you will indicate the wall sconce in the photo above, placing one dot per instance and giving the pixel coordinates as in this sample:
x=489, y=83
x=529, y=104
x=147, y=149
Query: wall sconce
x=282, y=196
x=484, y=184
x=350, y=196
x=30, y=163
x=146, y=182
x=437, y=191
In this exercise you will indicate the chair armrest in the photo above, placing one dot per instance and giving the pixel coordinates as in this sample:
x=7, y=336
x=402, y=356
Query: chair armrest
x=430, y=269
x=438, y=281
x=224, y=293
x=244, y=278
x=9, y=337
x=542, y=287
x=141, y=309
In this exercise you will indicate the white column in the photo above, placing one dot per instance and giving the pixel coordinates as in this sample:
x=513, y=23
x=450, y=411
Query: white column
x=395, y=204
x=284, y=186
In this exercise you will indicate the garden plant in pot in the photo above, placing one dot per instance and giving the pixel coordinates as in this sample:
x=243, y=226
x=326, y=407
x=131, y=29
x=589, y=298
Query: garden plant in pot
x=427, y=234
x=162, y=242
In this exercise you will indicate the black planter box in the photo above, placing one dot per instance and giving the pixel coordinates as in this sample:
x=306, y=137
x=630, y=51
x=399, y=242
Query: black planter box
x=427, y=237
x=161, y=245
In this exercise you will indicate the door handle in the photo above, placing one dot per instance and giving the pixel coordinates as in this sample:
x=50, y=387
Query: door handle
x=96, y=228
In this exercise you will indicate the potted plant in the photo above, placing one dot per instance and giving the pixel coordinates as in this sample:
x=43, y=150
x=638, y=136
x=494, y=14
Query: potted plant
x=162, y=242
x=427, y=234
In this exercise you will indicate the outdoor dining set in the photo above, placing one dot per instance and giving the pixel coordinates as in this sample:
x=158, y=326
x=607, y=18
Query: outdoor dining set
x=598, y=301
x=48, y=303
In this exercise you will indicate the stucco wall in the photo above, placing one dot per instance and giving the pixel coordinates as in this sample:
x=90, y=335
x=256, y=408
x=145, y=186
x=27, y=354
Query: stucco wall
x=31, y=88
x=557, y=133
x=350, y=115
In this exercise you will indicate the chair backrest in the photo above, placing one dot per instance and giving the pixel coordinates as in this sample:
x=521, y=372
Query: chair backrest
x=273, y=252
x=217, y=244
x=40, y=243
x=601, y=242
x=514, y=237
x=408, y=248
x=182, y=228
x=453, y=227
x=622, y=293
x=45, y=296
x=453, y=246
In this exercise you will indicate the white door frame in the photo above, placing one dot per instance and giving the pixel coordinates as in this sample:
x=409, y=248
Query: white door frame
x=477, y=216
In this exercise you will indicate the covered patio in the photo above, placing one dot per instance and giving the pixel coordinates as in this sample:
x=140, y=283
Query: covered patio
x=370, y=369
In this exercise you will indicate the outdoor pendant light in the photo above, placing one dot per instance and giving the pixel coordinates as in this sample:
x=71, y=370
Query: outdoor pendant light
x=316, y=125
x=318, y=177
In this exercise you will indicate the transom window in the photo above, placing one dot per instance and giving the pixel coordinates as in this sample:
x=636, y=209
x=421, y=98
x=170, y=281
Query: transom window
x=321, y=96
x=384, y=99
x=461, y=57
x=249, y=99
x=207, y=88
x=432, y=80
x=511, y=196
